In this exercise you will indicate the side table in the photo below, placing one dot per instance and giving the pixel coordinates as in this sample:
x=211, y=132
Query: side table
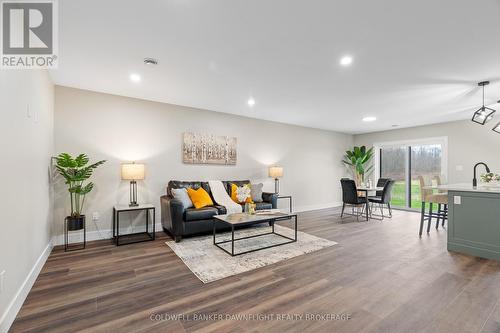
x=134, y=237
x=289, y=197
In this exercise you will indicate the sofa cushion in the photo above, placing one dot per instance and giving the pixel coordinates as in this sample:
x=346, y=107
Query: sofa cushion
x=263, y=205
x=189, y=184
x=182, y=184
x=205, y=213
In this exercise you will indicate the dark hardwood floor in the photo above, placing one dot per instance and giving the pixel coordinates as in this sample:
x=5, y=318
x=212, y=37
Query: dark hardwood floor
x=381, y=274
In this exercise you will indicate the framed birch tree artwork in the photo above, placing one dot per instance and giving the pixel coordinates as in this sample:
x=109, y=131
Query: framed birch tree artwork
x=208, y=149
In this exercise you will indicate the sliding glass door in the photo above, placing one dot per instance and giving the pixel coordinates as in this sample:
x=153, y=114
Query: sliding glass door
x=393, y=164
x=406, y=162
x=425, y=163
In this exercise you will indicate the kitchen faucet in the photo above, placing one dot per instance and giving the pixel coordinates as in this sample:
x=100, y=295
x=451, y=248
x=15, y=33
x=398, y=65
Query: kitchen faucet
x=474, y=180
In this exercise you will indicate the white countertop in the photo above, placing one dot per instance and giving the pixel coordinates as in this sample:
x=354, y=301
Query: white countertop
x=467, y=187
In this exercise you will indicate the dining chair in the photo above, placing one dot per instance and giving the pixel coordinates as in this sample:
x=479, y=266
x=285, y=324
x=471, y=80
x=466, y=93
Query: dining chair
x=381, y=183
x=383, y=198
x=351, y=198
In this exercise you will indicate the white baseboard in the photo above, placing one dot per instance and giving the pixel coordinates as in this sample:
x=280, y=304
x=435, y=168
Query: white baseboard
x=308, y=208
x=10, y=314
x=94, y=235
x=107, y=234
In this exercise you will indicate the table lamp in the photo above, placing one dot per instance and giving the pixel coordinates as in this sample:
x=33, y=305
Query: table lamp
x=133, y=172
x=276, y=172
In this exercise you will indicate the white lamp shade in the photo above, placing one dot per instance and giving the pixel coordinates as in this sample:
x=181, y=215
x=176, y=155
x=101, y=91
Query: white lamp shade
x=275, y=172
x=132, y=171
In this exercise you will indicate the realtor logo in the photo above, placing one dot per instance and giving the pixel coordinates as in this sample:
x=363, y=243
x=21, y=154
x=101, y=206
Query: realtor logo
x=29, y=34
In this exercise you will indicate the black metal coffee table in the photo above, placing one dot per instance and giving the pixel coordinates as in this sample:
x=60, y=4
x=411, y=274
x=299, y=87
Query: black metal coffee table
x=243, y=219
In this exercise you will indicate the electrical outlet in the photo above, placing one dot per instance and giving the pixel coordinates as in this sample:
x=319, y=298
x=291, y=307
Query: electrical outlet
x=2, y=274
x=457, y=200
x=95, y=216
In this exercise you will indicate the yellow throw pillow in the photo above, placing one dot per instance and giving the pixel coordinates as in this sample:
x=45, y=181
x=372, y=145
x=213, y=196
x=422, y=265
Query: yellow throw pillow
x=241, y=194
x=199, y=197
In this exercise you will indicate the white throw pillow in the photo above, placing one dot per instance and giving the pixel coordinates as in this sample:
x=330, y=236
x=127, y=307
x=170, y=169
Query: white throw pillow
x=182, y=195
x=242, y=193
x=256, y=191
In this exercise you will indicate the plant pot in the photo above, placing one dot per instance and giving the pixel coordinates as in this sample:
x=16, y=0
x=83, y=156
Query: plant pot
x=75, y=223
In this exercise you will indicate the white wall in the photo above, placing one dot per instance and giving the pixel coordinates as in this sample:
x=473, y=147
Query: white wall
x=122, y=129
x=26, y=144
x=468, y=143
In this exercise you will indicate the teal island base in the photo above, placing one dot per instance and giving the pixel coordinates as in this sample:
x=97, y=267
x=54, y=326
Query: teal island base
x=474, y=222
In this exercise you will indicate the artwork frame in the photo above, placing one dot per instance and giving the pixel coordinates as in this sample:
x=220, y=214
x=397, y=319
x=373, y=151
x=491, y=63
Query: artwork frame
x=200, y=148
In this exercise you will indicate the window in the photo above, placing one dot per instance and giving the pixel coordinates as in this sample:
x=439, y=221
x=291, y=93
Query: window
x=405, y=162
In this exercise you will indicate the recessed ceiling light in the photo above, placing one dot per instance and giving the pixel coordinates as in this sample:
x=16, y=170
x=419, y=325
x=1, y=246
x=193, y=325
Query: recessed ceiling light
x=251, y=101
x=369, y=119
x=394, y=125
x=135, y=77
x=150, y=61
x=346, y=60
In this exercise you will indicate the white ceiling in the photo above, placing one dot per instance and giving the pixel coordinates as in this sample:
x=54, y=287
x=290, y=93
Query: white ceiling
x=415, y=62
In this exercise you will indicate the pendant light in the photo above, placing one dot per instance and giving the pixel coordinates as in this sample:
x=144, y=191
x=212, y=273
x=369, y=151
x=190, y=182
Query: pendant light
x=483, y=114
x=496, y=128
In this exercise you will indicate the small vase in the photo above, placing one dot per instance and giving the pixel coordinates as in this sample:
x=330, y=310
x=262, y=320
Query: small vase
x=252, y=208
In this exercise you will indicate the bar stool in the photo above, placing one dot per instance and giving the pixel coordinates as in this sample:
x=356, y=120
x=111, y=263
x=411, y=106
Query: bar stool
x=442, y=208
x=428, y=197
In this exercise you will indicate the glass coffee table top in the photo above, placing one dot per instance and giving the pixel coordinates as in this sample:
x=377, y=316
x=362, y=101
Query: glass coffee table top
x=262, y=215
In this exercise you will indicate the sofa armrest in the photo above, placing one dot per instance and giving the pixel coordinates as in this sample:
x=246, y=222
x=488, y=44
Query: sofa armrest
x=172, y=213
x=271, y=198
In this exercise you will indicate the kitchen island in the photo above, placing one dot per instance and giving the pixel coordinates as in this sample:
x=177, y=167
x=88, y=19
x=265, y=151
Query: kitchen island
x=474, y=220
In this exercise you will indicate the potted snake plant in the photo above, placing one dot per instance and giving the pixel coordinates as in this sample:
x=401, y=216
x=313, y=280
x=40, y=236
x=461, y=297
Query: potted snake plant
x=76, y=172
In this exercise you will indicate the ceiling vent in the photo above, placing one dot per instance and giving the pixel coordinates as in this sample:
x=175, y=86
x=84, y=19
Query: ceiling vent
x=150, y=61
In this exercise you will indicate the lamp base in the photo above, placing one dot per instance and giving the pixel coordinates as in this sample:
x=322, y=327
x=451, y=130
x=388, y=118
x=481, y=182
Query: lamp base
x=133, y=194
x=276, y=186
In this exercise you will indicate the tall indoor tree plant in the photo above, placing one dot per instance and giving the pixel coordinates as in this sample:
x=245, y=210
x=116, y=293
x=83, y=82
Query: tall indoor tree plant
x=76, y=172
x=359, y=161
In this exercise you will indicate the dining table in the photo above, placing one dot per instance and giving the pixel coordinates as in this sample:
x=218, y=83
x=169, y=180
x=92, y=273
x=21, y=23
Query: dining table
x=366, y=190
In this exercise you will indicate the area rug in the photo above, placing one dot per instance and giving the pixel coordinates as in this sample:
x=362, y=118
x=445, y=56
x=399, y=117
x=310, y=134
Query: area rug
x=209, y=263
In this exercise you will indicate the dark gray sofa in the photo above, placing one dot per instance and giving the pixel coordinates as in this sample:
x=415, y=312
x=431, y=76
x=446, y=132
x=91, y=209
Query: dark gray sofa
x=179, y=222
